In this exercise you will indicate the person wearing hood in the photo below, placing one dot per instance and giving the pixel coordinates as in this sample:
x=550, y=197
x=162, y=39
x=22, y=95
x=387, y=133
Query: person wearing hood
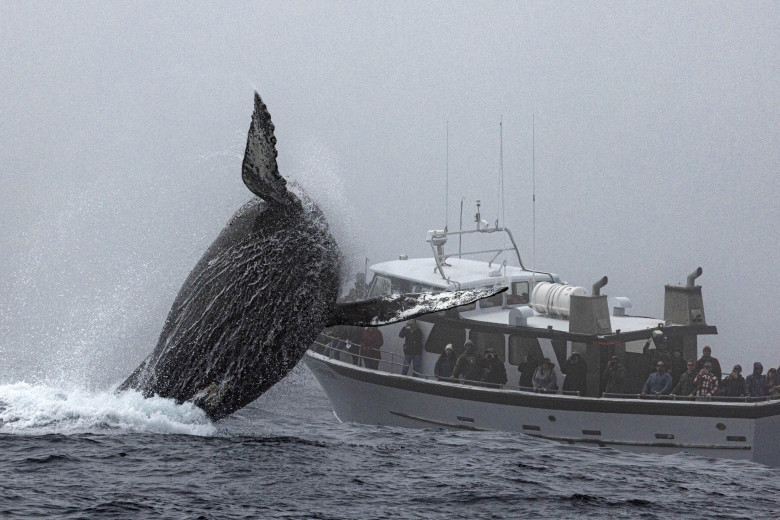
x=576, y=374
x=544, y=378
x=706, y=357
x=468, y=365
x=493, y=369
x=755, y=383
x=445, y=364
x=734, y=384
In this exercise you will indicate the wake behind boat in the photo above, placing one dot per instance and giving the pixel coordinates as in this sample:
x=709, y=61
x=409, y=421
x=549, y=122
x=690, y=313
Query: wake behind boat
x=538, y=318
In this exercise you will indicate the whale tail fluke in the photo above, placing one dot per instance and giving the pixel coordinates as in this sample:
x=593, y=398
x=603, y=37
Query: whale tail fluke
x=401, y=307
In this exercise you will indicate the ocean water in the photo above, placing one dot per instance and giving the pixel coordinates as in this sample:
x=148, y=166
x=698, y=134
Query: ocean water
x=75, y=453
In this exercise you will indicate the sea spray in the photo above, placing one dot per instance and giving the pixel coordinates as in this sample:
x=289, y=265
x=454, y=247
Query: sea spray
x=41, y=409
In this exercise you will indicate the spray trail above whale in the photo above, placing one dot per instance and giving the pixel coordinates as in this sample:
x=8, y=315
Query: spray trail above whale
x=260, y=295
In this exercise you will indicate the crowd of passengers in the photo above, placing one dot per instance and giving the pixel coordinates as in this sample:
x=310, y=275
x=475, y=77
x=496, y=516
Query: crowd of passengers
x=673, y=376
x=703, y=378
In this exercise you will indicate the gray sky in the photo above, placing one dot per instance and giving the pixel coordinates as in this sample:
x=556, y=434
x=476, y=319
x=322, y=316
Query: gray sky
x=122, y=127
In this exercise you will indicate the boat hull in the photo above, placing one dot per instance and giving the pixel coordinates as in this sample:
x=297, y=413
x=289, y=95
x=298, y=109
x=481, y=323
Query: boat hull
x=727, y=430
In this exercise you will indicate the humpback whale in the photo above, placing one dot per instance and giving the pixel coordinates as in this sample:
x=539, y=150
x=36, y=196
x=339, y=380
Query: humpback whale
x=261, y=294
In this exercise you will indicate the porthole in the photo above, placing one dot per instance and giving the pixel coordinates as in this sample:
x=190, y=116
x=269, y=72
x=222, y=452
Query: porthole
x=720, y=426
x=551, y=418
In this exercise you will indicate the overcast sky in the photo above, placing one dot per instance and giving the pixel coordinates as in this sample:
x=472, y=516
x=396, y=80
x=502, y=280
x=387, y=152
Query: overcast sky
x=122, y=128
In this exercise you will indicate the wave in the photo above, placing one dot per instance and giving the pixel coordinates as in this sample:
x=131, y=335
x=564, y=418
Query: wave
x=27, y=409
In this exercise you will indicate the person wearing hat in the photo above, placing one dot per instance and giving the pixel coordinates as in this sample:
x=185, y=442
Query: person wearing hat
x=544, y=378
x=705, y=382
x=576, y=374
x=493, y=370
x=755, y=383
x=468, y=365
x=445, y=364
x=734, y=384
x=412, y=346
x=706, y=357
x=685, y=385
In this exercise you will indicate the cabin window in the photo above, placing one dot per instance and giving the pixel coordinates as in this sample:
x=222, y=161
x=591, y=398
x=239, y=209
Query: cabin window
x=519, y=294
x=423, y=288
x=400, y=286
x=468, y=307
x=380, y=286
x=520, y=347
x=494, y=301
x=484, y=340
x=441, y=334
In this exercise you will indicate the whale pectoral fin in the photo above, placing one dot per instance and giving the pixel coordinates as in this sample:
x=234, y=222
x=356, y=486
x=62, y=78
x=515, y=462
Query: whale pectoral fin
x=400, y=307
x=259, y=170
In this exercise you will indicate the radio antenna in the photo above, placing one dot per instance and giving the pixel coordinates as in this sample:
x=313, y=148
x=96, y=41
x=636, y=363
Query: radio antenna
x=533, y=200
x=447, y=183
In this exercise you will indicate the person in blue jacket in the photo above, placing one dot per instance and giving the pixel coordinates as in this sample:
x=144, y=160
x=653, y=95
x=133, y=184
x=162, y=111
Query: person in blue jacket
x=659, y=382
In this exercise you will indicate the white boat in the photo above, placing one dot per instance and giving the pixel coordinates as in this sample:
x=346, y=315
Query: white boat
x=539, y=316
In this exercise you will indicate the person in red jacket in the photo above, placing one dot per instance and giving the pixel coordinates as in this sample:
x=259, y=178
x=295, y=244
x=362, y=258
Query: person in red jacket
x=370, y=342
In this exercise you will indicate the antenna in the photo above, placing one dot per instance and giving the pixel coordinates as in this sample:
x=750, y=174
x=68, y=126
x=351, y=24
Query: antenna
x=460, y=235
x=533, y=203
x=447, y=183
x=502, y=206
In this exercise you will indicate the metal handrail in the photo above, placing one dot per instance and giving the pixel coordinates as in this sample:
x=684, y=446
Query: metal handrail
x=429, y=377
x=714, y=398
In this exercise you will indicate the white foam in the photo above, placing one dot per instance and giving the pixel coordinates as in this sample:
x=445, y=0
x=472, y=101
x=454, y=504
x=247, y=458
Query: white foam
x=41, y=409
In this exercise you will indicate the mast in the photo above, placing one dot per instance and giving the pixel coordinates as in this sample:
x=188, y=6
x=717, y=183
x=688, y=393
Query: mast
x=447, y=183
x=533, y=200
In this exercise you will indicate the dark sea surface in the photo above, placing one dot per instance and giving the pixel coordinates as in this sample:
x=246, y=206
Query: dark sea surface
x=73, y=453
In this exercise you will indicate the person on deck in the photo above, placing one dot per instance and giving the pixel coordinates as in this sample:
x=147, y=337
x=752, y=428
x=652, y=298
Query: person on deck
x=576, y=374
x=755, y=383
x=685, y=385
x=445, y=364
x=614, y=376
x=706, y=357
x=526, y=369
x=775, y=390
x=544, y=378
x=771, y=380
x=733, y=385
x=493, y=369
x=412, y=347
x=706, y=383
x=468, y=365
x=659, y=382
x=370, y=343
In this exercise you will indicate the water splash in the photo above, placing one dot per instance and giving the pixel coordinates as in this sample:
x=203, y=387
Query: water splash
x=27, y=409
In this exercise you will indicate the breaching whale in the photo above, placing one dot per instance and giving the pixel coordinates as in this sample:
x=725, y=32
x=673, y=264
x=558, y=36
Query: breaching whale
x=261, y=294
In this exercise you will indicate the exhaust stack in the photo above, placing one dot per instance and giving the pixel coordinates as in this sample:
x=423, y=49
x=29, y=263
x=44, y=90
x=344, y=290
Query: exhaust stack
x=684, y=305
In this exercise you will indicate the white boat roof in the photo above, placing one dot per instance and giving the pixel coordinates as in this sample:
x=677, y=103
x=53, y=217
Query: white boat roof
x=461, y=271
x=541, y=321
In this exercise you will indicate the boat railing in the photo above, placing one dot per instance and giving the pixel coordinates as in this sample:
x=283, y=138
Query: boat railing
x=395, y=365
x=690, y=398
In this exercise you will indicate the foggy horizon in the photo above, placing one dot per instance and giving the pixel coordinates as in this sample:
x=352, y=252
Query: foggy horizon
x=123, y=128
